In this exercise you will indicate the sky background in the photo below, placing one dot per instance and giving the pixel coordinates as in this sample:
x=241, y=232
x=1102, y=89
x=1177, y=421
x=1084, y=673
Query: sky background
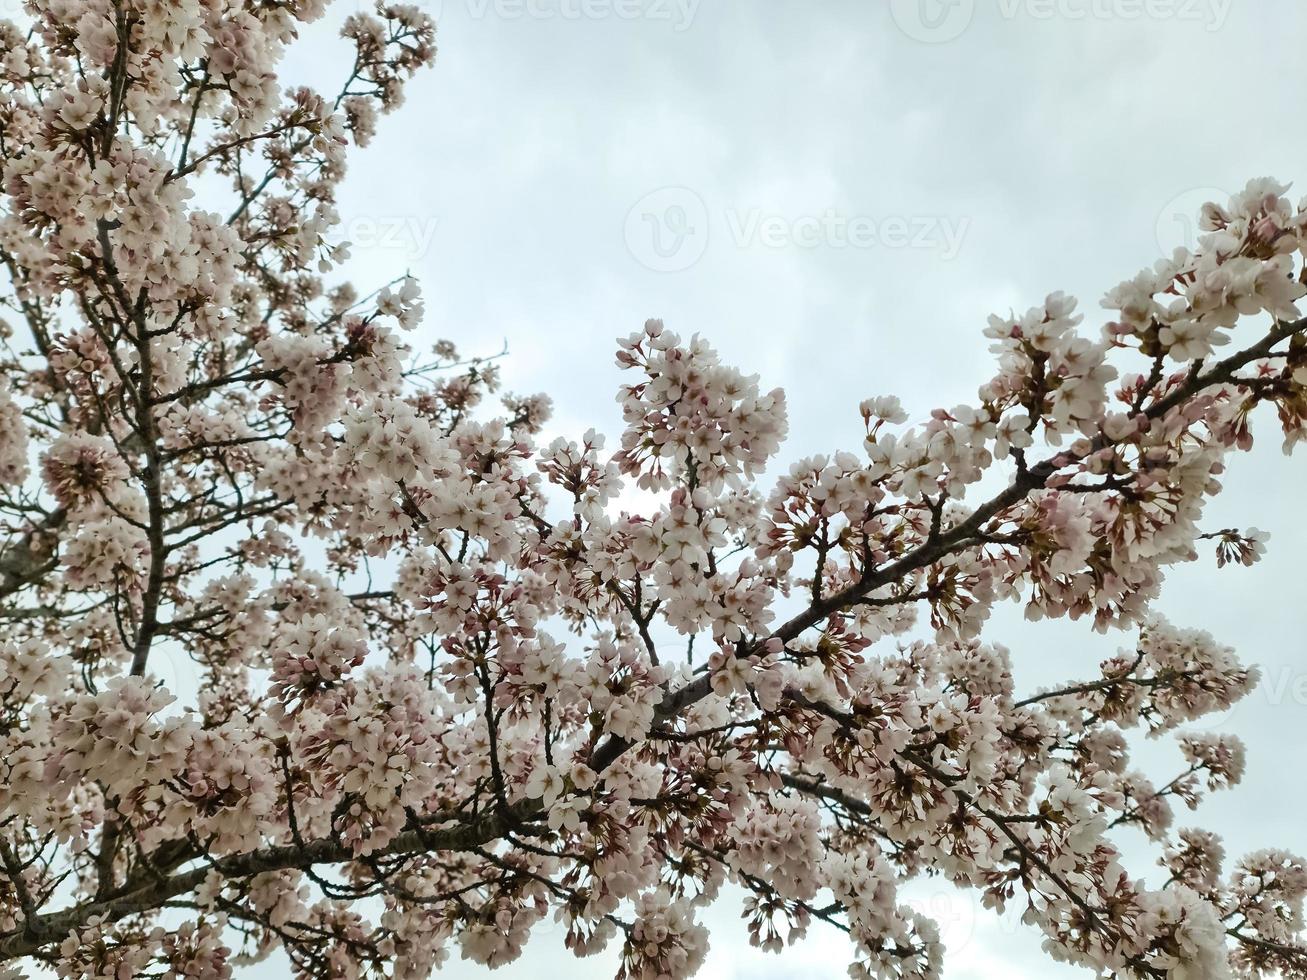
x=837, y=194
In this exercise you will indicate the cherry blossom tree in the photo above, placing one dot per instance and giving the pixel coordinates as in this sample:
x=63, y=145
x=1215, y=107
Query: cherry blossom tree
x=449, y=688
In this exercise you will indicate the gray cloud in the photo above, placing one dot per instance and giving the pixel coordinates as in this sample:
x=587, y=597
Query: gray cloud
x=1070, y=137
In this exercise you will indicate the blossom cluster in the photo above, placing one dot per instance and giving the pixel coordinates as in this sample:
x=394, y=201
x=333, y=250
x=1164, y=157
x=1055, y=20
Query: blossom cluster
x=313, y=643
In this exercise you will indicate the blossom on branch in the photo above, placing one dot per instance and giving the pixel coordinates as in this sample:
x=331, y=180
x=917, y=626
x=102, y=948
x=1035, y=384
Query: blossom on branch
x=446, y=684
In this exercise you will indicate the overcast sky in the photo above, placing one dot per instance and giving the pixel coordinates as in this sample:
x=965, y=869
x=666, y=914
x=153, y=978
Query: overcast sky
x=837, y=194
